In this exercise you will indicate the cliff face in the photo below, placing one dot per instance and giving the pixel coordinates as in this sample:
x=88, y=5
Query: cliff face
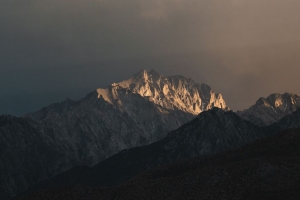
x=173, y=93
x=271, y=109
x=135, y=112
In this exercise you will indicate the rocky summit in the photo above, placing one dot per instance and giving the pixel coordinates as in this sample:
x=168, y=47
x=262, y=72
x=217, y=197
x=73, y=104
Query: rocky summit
x=131, y=113
x=271, y=109
x=171, y=93
x=133, y=125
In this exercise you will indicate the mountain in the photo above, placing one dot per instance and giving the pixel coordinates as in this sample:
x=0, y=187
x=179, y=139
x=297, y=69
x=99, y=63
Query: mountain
x=18, y=137
x=134, y=112
x=268, y=168
x=173, y=93
x=271, y=109
x=210, y=132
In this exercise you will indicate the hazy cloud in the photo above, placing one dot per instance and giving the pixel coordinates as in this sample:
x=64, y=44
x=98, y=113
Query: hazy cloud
x=55, y=49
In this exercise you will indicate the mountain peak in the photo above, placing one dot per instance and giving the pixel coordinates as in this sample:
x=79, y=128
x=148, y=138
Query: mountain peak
x=283, y=100
x=154, y=75
x=153, y=72
x=172, y=93
x=271, y=109
x=142, y=74
x=262, y=100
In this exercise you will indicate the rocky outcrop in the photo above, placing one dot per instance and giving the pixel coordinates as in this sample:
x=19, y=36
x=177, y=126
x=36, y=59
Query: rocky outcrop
x=172, y=93
x=271, y=109
x=135, y=112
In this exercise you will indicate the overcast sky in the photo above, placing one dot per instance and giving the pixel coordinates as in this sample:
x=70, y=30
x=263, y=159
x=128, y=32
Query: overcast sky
x=51, y=50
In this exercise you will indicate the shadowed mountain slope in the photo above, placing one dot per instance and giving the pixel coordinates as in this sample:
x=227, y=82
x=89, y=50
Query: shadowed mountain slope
x=268, y=168
x=134, y=112
x=211, y=132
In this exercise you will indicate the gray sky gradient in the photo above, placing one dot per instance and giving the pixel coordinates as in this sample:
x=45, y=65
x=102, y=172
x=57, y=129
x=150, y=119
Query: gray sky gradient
x=54, y=49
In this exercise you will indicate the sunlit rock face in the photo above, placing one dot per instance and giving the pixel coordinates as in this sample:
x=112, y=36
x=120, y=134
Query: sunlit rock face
x=271, y=109
x=135, y=112
x=172, y=93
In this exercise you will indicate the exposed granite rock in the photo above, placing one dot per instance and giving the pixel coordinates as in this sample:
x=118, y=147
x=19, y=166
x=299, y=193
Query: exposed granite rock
x=271, y=109
x=173, y=93
x=136, y=112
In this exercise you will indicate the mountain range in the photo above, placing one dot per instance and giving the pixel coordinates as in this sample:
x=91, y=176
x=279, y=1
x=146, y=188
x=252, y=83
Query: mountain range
x=134, y=112
x=211, y=132
x=271, y=109
x=265, y=169
x=150, y=119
